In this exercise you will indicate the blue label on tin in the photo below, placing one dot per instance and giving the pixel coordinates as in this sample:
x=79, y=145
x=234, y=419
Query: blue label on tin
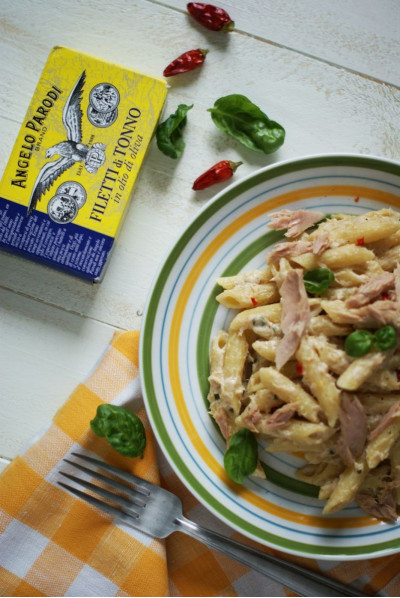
x=67, y=246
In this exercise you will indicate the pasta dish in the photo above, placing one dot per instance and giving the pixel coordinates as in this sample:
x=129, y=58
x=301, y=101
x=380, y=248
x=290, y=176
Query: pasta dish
x=311, y=361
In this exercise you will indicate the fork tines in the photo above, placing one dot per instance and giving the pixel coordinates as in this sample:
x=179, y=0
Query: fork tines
x=120, y=506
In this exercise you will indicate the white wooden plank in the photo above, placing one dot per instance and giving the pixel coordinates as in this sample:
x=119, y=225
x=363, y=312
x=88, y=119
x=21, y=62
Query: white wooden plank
x=362, y=35
x=45, y=352
x=323, y=108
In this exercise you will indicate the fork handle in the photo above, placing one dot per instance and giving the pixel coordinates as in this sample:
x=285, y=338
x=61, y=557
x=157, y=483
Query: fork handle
x=294, y=577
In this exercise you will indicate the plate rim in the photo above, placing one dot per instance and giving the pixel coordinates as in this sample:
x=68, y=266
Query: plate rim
x=214, y=204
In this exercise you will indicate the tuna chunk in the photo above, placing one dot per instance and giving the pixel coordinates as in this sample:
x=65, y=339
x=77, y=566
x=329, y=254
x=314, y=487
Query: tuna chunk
x=279, y=418
x=295, y=222
x=379, y=314
x=375, y=315
x=353, y=429
x=223, y=420
x=295, y=317
x=396, y=274
x=371, y=289
x=253, y=417
x=289, y=249
x=295, y=248
x=320, y=243
x=382, y=505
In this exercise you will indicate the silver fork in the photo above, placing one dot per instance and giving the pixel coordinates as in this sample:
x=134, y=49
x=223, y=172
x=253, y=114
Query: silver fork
x=158, y=513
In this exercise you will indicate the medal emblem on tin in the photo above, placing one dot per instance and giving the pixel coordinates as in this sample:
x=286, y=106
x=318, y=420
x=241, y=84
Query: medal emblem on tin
x=64, y=206
x=75, y=190
x=70, y=150
x=103, y=101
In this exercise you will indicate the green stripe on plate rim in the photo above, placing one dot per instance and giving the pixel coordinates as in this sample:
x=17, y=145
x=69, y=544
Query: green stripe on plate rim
x=147, y=341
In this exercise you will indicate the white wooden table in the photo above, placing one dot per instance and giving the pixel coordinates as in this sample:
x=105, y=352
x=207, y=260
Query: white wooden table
x=328, y=71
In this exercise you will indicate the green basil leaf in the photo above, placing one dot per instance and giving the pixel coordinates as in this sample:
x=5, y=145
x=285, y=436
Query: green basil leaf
x=123, y=430
x=238, y=117
x=385, y=338
x=316, y=281
x=169, y=133
x=358, y=343
x=240, y=460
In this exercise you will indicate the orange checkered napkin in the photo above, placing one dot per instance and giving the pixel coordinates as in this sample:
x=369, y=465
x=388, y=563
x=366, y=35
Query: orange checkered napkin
x=52, y=544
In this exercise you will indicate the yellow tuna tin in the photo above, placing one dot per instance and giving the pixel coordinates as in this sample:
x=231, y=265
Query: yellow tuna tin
x=75, y=161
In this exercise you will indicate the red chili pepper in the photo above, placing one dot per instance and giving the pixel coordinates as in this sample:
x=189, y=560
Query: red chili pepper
x=186, y=62
x=221, y=171
x=356, y=199
x=385, y=296
x=210, y=16
x=299, y=368
x=254, y=301
x=360, y=241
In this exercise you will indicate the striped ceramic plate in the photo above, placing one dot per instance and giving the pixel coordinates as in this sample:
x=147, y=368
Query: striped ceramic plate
x=229, y=235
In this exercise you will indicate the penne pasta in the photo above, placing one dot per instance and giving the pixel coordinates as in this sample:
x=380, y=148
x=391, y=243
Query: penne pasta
x=264, y=316
x=371, y=227
x=289, y=391
x=303, y=433
x=379, y=447
x=389, y=259
x=308, y=261
x=320, y=473
x=232, y=388
x=346, y=488
x=359, y=371
x=345, y=256
x=267, y=348
x=319, y=380
x=282, y=370
x=253, y=276
x=249, y=295
x=324, y=325
x=217, y=355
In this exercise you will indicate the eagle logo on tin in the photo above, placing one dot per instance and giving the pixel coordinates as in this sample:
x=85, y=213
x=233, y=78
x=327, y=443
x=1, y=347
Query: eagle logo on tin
x=71, y=150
